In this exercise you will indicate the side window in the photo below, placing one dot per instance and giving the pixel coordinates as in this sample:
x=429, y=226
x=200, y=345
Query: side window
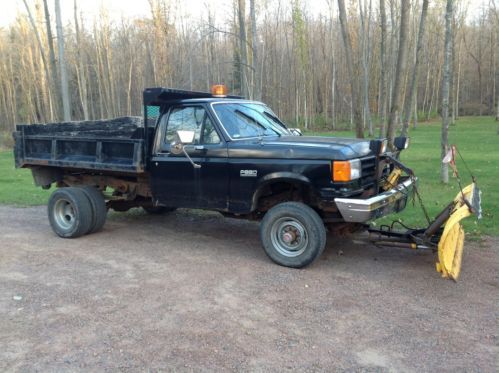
x=210, y=135
x=187, y=119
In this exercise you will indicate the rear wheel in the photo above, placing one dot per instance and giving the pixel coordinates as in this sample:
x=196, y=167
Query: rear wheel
x=70, y=212
x=99, y=209
x=292, y=234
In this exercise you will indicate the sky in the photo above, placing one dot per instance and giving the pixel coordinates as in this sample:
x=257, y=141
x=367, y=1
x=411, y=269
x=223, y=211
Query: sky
x=140, y=8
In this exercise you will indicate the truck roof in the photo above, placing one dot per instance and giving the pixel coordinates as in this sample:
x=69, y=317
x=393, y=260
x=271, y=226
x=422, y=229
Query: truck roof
x=159, y=95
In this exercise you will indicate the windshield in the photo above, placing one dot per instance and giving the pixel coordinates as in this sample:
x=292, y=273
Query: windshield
x=243, y=120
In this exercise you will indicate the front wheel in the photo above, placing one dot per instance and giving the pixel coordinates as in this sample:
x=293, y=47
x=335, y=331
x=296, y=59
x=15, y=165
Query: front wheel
x=292, y=234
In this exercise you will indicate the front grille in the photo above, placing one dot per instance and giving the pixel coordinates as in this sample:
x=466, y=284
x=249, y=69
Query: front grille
x=368, y=176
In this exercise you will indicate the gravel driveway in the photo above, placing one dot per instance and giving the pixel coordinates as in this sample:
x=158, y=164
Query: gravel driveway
x=194, y=291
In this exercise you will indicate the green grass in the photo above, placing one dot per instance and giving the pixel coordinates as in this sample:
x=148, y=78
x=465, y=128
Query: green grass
x=16, y=185
x=475, y=137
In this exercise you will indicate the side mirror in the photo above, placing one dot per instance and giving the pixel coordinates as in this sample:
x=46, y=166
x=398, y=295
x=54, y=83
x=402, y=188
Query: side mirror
x=183, y=138
x=401, y=143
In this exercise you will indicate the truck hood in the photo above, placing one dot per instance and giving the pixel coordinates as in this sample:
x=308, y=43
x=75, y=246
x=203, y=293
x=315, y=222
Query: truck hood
x=343, y=148
x=300, y=147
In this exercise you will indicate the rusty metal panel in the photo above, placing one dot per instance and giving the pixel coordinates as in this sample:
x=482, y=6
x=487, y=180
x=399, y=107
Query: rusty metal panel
x=107, y=145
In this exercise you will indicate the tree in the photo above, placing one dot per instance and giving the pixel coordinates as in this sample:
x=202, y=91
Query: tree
x=301, y=65
x=62, y=62
x=409, y=103
x=366, y=51
x=446, y=87
x=383, y=67
x=359, y=131
x=400, y=71
x=257, y=95
x=54, y=78
x=80, y=67
x=494, y=11
x=241, y=12
x=302, y=58
x=42, y=54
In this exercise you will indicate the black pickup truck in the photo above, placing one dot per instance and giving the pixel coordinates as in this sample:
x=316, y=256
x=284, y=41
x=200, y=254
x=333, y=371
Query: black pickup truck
x=210, y=151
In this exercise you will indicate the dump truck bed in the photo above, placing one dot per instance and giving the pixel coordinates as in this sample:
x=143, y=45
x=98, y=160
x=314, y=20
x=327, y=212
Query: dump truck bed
x=107, y=145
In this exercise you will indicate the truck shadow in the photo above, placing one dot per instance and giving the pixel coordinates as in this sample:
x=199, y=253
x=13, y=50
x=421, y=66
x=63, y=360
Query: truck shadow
x=204, y=230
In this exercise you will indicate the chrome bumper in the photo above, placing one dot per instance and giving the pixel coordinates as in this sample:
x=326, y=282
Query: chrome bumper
x=362, y=210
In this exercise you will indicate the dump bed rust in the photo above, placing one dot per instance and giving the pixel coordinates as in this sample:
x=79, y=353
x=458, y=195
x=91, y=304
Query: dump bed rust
x=107, y=145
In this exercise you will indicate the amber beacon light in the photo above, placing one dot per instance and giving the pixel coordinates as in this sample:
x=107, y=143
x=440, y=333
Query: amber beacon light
x=219, y=90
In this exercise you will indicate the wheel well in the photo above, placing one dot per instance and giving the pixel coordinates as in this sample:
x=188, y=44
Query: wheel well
x=277, y=192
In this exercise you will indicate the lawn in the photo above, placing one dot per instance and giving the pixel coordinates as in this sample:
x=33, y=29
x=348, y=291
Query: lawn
x=16, y=185
x=476, y=138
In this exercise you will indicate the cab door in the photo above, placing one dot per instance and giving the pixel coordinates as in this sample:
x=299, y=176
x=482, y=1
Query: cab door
x=174, y=181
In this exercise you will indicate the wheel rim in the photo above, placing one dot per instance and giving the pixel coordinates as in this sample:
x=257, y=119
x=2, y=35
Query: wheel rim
x=289, y=237
x=64, y=214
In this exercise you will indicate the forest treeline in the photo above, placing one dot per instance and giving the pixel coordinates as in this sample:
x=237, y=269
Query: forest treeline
x=367, y=64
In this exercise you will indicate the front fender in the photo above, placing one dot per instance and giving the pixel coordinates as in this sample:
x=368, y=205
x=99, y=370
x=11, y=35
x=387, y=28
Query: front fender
x=276, y=177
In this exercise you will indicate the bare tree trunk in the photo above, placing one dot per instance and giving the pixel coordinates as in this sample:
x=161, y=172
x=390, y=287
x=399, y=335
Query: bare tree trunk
x=445, y=89
x=409, y=103
x=82, y=79
x=455, y=107
x=493, y=8
x=384, y=63
x=241, y=12
x=392, y=55
x=257, y=95
x=366, y=50
x=400, y=72
x=426, y=87
x=349, y=58
x=40, y=47
x=62, y=62
x=452, y=72
x=54, y=81
x=333, y=78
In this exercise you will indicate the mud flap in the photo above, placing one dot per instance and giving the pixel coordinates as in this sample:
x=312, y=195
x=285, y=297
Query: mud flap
x=451, y=244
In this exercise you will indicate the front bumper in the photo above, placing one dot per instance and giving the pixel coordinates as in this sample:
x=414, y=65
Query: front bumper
x=362, y=210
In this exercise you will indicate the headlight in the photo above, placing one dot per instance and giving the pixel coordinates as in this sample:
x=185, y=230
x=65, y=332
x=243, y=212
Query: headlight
x=346, y=170
x=379, y=146
x=401, y=143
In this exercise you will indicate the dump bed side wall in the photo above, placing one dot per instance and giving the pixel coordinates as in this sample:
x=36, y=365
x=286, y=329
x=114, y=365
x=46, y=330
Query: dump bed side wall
x=107, y=145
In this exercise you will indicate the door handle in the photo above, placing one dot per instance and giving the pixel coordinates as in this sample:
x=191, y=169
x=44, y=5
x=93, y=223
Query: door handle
x=199, y=147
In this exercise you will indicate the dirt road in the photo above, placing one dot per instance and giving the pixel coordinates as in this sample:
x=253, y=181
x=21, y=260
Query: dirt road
x=194, y=291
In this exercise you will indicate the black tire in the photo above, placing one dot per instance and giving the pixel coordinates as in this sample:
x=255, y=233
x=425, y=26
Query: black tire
x=99, y=209
x=158, y=210
x=293, y=234
x=70, y=212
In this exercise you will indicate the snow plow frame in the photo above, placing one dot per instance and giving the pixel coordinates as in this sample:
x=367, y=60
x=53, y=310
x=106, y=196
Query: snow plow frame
x=444, y=234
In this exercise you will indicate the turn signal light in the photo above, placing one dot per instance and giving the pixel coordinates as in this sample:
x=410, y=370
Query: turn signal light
x=219, y=90
x=346, y=170
x=341, y=171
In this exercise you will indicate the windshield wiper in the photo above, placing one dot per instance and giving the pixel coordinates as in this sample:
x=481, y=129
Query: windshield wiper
x=276, y=119
x=237, y=111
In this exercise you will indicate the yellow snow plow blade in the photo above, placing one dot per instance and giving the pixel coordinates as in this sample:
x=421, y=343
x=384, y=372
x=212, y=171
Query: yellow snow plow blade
x=450, y=246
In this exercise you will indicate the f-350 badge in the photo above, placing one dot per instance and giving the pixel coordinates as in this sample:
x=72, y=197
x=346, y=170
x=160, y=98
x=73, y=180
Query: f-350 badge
x=248, y=173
